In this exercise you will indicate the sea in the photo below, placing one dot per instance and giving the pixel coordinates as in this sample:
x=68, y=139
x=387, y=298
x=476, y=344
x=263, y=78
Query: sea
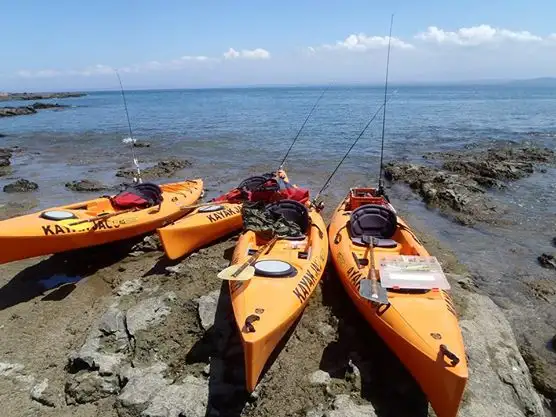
x=229, y=134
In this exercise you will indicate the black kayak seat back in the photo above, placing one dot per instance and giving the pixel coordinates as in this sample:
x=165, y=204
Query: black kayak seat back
x=373, y=220
x=255, y=183
x=293, y=211
x=150, y=191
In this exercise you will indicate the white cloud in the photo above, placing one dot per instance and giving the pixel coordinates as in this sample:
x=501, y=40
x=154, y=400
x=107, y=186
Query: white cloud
x=475, y=35
x=257, y=53
x=362, y=42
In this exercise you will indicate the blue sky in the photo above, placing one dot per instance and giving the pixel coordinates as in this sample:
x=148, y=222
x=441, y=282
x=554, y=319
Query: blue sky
x=76, y=44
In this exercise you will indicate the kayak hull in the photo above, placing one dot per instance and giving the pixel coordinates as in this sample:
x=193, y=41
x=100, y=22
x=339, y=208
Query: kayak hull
x=275, y=302
x=415, y=324
x=32, y=235
x=199, y=228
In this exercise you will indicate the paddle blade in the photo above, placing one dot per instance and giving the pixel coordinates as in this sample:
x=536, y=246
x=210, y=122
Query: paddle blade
x=230, y=273
x=374, y=293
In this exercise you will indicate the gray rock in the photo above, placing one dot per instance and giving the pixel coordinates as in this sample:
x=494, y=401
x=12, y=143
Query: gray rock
x=345, y=407
x=142, y=385
x=188, y=399
x=149, y=244
x=91, y=353
x=207, y=308
x=15, y=371
x=21, y=186
x=130, y=287
x=499, y=380
x=147, y=313
x=40, y=394
x=112, y=325
x=86, y=387
x=176, y=269
x=320, y=377
x=325, y=329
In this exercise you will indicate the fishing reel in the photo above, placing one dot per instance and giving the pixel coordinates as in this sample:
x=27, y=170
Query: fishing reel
x=317, y=203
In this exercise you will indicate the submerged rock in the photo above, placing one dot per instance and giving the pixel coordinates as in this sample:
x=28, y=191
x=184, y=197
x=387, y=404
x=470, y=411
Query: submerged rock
x=87, y=186
x=543, y=379
x=163, y=169
x=5, y=155
x=547, y=261
x=41, y=106
x=16, y=111
x=21, y=186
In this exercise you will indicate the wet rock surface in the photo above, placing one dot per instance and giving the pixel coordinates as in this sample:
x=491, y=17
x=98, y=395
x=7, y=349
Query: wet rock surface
x=162, y=169
x=26, y=110
x=16, y=111
x=87, y=186
x=458, y=186
x=21, y=186
x=547, y=261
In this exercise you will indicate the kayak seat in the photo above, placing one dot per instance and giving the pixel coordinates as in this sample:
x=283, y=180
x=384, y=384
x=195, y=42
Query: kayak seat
x=373, y=220
x=139, y=196
x=378, y=242
x=292, y=211
x=256, y=183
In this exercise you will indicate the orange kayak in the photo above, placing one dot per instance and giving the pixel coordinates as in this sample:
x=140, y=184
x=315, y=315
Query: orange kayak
x=199, y=228
x=80, y=225
x=266, y=306
x=419, y=324
x=222, y=216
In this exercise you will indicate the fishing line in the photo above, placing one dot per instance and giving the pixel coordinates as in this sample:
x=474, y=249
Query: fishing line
x=380, y=186
x=353, y=144
x=303, y=125
x=131, y=140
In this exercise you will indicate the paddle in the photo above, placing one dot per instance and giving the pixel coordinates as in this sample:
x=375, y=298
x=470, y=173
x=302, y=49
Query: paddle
x=370, y=288
x=246, y=270
x=213, y=203
x=102, y=217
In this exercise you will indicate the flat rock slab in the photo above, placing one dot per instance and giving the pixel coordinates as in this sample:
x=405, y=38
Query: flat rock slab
x=147, y=313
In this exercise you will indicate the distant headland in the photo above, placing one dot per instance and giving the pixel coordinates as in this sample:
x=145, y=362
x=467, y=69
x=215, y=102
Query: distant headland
x=37, y=96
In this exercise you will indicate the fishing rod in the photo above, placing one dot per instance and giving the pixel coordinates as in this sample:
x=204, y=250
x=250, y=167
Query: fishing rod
x=352, y=146
x=380, y=185
x=131, y=140
x=303, y=125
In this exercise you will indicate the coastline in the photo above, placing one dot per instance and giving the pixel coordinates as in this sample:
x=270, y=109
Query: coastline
x=198, y=363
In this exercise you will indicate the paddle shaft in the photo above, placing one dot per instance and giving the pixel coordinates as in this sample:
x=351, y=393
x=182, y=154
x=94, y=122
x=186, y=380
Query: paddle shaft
x=254, y=257
x=106, y=216
x=372, y=271
x=203, y=205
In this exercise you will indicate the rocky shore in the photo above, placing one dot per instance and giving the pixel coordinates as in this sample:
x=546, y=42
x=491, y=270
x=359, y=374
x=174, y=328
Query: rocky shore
x=139, y=336
x=38, y=96
x=457, y=182
x=121, y=331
